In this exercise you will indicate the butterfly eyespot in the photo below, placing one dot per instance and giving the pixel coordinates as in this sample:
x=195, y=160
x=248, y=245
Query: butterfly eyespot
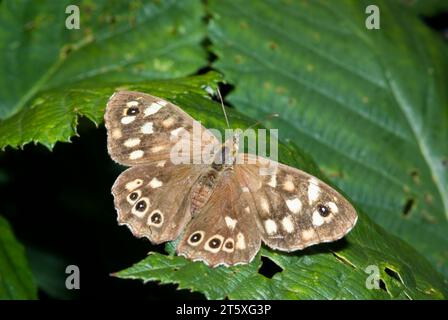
x=139, y=209
x=134, y=196
x=132, y=111
x=214, y=243
x=141, y=206
x=323, y=210
x=229, y=245
x=196, y=238
x=156, y=218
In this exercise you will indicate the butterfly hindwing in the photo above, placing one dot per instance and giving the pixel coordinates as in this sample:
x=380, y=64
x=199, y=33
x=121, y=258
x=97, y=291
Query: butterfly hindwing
x=294, y=209
x=143, y=197
x=224, y=232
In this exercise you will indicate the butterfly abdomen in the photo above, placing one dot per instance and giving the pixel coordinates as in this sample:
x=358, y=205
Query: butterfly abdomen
x=203, y=190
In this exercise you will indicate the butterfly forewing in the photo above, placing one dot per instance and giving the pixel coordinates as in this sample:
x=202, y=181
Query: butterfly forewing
x=142, y=129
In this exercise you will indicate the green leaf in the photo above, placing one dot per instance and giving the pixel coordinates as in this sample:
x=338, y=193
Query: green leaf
x=16, y=280
x=327, y=271
x=425, y=7
x=49, y=270
x=369, y=105
x=54, y=114
x=49, y=72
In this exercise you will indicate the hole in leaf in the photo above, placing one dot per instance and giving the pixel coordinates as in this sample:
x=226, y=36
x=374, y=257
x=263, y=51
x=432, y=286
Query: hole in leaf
x=383, y=285
x=225, y=88
x=409, y=204
x=269, y=268
x=393, y=274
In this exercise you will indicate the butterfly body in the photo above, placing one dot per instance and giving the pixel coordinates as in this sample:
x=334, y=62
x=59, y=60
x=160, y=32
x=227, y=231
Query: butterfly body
x=220, y=210
x=203, y=189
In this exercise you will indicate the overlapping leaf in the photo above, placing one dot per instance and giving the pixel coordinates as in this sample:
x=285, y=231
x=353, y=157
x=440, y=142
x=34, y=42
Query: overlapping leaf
x=16, y=280
x=370, y=106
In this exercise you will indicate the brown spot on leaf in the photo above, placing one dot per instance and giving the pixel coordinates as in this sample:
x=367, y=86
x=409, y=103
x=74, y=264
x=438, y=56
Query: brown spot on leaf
x=415, y=176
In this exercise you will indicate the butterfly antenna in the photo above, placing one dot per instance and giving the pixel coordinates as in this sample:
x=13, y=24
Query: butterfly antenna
x=267, y=117
x=223, y=108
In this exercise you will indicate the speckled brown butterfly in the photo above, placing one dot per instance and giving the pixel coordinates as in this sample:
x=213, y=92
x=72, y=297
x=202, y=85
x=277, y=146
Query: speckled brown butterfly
x=219, y=211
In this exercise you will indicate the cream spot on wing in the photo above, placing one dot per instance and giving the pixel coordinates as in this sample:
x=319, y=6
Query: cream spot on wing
x=308, y=234
x=317, y=219
x=168, y=122
x=294, y=205
x=288, y=224
x=240, y=241
x=152, y=109
x=147, y=128
x=176, y=132
x=136, y=154
x=157, y=149
x=247, y=209
x=116, y=133
x=245, y=189
x=134, y=184
x=288, y=185
x=161, y=163
x=127, y=119
x=270, y=226
x=333, y=207
x=313, y=190
x=264, y=204
x=162, y=103
x=273, y=181
x=132, y=104
x=155, y=183
x=231, y=223
x=132, y=142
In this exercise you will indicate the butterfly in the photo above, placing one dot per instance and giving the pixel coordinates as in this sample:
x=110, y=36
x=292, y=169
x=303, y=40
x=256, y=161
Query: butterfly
x=220, y=210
